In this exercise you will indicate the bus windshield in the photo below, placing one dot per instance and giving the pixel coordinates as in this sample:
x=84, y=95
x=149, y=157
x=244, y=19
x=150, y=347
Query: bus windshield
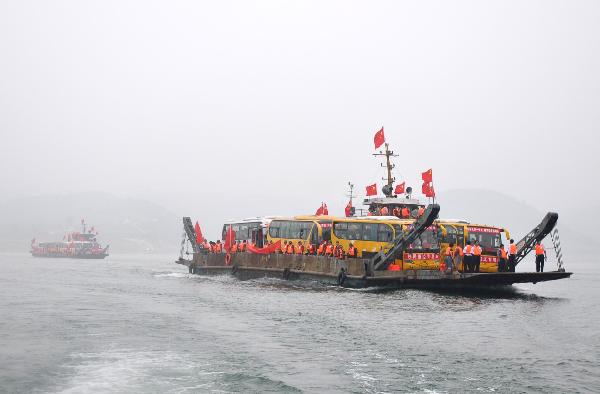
x=488, y=238
x=426, y=241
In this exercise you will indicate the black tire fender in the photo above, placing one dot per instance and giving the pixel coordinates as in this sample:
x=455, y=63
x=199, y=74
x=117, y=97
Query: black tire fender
x=342, y=277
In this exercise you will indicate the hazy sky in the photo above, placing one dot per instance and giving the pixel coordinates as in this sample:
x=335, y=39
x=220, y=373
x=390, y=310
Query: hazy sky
x=226, y=109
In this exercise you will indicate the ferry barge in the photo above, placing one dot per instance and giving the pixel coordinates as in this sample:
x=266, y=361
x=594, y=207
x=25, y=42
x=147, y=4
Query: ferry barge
x=403, y=250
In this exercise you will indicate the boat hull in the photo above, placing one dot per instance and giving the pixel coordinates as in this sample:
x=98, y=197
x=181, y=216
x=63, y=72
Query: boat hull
x=74, y=256
x=353, y=273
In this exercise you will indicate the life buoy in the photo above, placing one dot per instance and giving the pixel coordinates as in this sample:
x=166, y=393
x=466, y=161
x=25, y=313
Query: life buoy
x=227, y=259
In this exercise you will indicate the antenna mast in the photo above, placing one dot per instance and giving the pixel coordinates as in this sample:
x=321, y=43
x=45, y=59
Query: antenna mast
x=388, y=188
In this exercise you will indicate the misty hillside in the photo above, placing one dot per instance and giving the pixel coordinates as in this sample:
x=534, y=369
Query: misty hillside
x=128, y=225
x=490, y=207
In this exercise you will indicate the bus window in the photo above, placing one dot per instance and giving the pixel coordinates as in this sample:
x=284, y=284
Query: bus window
x=341, y=230
x=354, y=231
x=369, y=232
x=326, y=229
x=385, y=233
x=487, y=241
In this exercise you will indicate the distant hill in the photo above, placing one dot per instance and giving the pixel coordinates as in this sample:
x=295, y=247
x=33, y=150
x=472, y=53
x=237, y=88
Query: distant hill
x=128, y=225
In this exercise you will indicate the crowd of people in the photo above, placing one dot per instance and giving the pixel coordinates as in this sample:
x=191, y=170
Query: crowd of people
x=402, y=212
x=325, y=248
x=469, y=256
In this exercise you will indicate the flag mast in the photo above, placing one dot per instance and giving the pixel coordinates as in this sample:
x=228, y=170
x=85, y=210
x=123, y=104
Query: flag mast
x=388, y=189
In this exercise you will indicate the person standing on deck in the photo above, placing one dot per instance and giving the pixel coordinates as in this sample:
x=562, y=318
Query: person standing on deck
x=476, y=256
x=448, y=258
x=502, y=256
x=384, y=211
x=540, y=257
x=512, y=255
x=300, y=248
x=352, y=251
x=468, y=258
x=329, y=249
x=458, y=256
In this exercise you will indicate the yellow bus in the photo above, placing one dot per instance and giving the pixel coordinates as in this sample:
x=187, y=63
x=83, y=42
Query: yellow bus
x=308, y=229
x=458, y=232
x=369, y=234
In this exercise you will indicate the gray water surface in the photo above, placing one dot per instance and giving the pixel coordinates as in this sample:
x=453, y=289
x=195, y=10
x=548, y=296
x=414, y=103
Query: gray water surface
x=133, y=324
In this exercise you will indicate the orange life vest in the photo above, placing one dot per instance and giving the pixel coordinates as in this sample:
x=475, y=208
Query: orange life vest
x=477, y=250
x=539, y=249
x=448, y=251
x=311, y=249
x=219, y=247
x=242, y=247
x=384, y=211
x=502, y=253
x=513, y=249
x=458, y=250
x=405, y=212
x=234, y=248
x=421, y=211
x=468, y=249
x=352, y=251
x=289, y=249
x=300, y=249
x=329, y=250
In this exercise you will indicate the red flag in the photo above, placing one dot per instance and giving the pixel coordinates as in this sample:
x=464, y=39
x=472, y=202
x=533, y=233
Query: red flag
x=427, y=189
x=325, y=210
x=229, y=239
x=319, y=211
x=400, y=188
x=379, y=138
x=199, y=237
x=372, y=190
x=348, y=209
x=266, y=250
x=427, y=176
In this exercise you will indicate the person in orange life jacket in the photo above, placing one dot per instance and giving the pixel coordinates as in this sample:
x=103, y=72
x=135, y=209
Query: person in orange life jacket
x=457, y=254
x=289, y=248
x=477, y=255
x=448, y=257
x=405, y=213
x=321, y=249
x=540, y=257
x=219, y=247
x=234, y=247
x=243, y=246
x=329, y=249
x=384, y=211
x=300, y=248
x=338, y=251
x=311, y=249
x=512, y=255
x=421, y=211
x=468, y=257
x=396, y=212
x=352, y=251
x=502, y=256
